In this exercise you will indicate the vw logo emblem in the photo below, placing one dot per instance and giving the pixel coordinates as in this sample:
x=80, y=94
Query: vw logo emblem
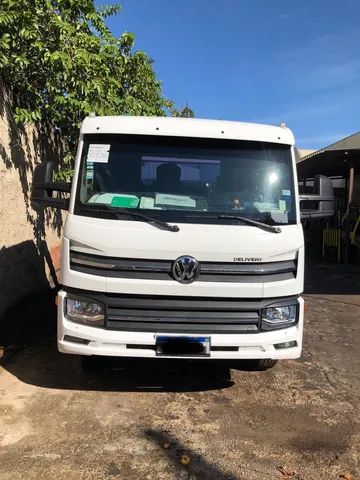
x=186, y=269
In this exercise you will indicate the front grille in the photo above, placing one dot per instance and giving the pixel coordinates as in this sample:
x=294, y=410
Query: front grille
x=183, y=315
x=134, y=268
x=157, y=313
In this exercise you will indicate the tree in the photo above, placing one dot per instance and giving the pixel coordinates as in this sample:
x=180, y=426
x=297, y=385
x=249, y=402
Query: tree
x=62, y=63
x=185, y=112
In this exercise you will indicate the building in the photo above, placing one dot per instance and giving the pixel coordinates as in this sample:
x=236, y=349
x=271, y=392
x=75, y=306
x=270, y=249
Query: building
x=341, y=162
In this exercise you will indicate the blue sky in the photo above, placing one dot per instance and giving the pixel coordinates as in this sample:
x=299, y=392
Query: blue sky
x=267, y=61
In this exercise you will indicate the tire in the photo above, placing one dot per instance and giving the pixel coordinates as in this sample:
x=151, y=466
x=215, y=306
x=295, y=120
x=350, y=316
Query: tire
x=262, y=364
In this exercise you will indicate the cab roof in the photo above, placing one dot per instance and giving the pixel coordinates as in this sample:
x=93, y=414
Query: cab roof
x=187, y=127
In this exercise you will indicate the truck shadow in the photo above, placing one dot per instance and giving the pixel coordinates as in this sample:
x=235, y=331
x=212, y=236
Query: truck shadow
x=31, y=356
x=43, y=366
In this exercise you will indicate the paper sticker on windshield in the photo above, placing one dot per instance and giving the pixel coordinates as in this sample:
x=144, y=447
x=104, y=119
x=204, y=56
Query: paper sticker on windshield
x=174, y=200
x=282, y=205
x=98, y=153
x=286, y=193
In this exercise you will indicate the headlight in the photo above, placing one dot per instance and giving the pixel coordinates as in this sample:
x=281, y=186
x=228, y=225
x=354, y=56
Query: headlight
x=273, y=318
x=87, y=312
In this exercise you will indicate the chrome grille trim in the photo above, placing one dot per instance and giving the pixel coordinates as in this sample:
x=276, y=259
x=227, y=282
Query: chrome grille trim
x=161, y=269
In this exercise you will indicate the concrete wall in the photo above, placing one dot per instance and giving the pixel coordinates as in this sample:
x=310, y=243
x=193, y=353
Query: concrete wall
x=29, y=239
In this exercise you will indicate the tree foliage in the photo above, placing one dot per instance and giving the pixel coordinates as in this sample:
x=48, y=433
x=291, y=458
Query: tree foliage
x=62, y=63
x=185, y=112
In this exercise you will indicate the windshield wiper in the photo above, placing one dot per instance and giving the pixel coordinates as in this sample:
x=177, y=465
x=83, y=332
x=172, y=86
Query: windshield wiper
x=124, y=211
x=250, y=221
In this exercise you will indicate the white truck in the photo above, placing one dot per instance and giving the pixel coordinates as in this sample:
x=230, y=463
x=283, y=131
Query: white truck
x=183, y=239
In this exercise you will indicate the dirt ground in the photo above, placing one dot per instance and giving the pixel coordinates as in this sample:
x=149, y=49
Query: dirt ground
x=139, y=419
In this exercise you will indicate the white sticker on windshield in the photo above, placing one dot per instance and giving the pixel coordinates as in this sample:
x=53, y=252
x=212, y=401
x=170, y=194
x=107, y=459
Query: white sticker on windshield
x=176, y=200
x=98, y=153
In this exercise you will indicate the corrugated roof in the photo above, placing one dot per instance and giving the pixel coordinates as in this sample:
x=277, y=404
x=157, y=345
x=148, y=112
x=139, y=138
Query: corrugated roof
x=352, y=142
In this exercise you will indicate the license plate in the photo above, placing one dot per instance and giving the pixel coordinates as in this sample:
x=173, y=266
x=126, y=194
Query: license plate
x=183, y=346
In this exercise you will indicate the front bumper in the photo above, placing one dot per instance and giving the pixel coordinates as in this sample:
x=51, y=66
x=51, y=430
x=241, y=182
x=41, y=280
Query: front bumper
x=141, y=344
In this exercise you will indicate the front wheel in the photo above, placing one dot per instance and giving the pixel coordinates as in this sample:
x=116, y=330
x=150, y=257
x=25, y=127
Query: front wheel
x=262, y=364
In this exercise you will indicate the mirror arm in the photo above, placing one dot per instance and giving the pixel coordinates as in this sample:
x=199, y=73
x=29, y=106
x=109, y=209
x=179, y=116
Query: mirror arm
x=43, y=188
x=62, y=203
x=55, y=186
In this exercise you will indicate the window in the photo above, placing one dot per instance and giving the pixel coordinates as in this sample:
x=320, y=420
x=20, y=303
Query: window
x=170, y=177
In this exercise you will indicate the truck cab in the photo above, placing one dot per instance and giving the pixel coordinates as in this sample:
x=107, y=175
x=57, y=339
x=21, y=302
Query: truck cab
x=183, y=239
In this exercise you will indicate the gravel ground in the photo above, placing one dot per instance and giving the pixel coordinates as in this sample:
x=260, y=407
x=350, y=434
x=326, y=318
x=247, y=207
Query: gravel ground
x=169, y=420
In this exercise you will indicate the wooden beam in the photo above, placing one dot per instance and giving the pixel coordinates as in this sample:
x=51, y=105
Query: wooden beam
x=347, y=221
x=351, y=187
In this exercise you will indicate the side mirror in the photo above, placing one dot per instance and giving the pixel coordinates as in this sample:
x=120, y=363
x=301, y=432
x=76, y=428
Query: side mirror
x=43, y=187
x=319, y=203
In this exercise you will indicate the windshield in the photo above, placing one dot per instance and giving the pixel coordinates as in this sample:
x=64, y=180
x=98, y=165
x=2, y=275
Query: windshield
x=186, y=179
